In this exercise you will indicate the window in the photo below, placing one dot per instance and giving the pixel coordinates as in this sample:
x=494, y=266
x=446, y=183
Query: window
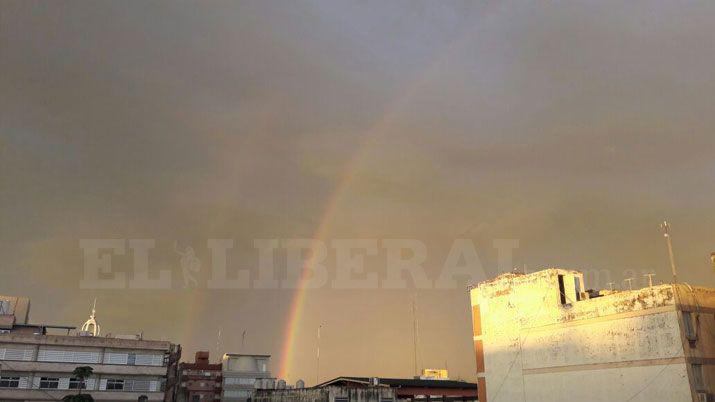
x=341, y=399
x=9, y=382
x=562, y=290
x=698, y=377
x=196, y=398
x=77, y=383
x=131, y=359
x=691, y=332
x=4, y=307
x=49, y=382
x=577, y=286
x=116, y=385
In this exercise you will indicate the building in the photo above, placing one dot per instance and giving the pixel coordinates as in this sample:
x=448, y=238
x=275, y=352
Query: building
x=243, y=374
x=36, y=365
x=366, y=389
x=434, y=374
x=199, y=381
x=543, y=337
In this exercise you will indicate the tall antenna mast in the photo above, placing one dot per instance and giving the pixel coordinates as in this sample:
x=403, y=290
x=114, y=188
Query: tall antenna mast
x=416, y=331
x=666, y=233
x=243, y=341
x=218, y=343
x=317, y=358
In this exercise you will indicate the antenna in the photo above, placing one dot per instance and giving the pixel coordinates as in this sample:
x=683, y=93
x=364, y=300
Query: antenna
x=218, y=343
x=630, y=283
x=650, y=279
x=665, y=227
x=243, y=341
x=610, y=285
x=90, y=326
x=317, y=357
x=416, y=331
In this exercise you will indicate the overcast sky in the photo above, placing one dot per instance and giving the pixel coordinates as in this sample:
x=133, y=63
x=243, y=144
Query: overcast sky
x=574, y=127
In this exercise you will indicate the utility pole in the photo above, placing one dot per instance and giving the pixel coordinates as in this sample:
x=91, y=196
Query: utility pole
x=666, y=233
x=317, y=363
x=650, y=279
x=630, y=283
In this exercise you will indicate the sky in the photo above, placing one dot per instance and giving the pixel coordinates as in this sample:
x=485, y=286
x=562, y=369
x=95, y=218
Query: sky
x=573, y=127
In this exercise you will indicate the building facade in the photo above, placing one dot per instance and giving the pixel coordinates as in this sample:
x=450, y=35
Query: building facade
x=37, y=366
x=542, y=337
x=199, y=381
x=243, y=374
x=327, y=394
x=374, y=389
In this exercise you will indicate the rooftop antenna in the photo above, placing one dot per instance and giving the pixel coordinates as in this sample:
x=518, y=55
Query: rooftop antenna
x=650, y=279
x=243, y=341
x=317, y=357
x=665, y=227
x=610, y=285
x=630, y=283
x=416, y=331
x=91, y=326
x=218, y=343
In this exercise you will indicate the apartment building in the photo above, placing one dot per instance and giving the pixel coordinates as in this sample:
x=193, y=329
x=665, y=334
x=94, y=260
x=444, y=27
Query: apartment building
x=243, y=374
x=37, y=366
x=541, y=337
x=199, y=381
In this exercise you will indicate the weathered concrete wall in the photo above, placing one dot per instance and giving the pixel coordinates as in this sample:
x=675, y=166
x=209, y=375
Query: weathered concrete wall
x=624, y=345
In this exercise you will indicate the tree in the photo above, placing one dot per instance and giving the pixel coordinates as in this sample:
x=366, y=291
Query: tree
x=78, y=398
x=82, y=373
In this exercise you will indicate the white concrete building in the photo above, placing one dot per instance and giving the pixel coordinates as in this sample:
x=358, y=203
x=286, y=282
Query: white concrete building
x=243, y=374
x=35, y=366
x=542, y=338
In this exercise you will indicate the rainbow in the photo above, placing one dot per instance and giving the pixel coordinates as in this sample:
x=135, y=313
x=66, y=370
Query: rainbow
x=381, y=127
x=377, y=130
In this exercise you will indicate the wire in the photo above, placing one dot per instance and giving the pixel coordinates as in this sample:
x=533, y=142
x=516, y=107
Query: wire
x=518, y=353
x=650, y=382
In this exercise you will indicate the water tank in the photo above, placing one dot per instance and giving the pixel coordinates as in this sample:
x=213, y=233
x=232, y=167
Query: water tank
x=300, y=384
x=281, y=384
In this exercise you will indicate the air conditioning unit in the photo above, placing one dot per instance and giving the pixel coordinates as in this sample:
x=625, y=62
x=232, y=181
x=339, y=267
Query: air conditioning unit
x=704, y=397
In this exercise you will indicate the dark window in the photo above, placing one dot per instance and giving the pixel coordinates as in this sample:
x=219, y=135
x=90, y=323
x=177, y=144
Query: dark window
x=115, y=385
x=341, y=399
x=131, y=359
x=562, y=289
x=196, y=398
x=9, y=382
x=49, y=382
x=698, y=377
x=691, y=332
x=77, y=383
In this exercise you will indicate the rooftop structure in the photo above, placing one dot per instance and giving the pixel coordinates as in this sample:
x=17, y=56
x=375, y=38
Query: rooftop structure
x=543, y=337
x=243, y=374
x=37, y=366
